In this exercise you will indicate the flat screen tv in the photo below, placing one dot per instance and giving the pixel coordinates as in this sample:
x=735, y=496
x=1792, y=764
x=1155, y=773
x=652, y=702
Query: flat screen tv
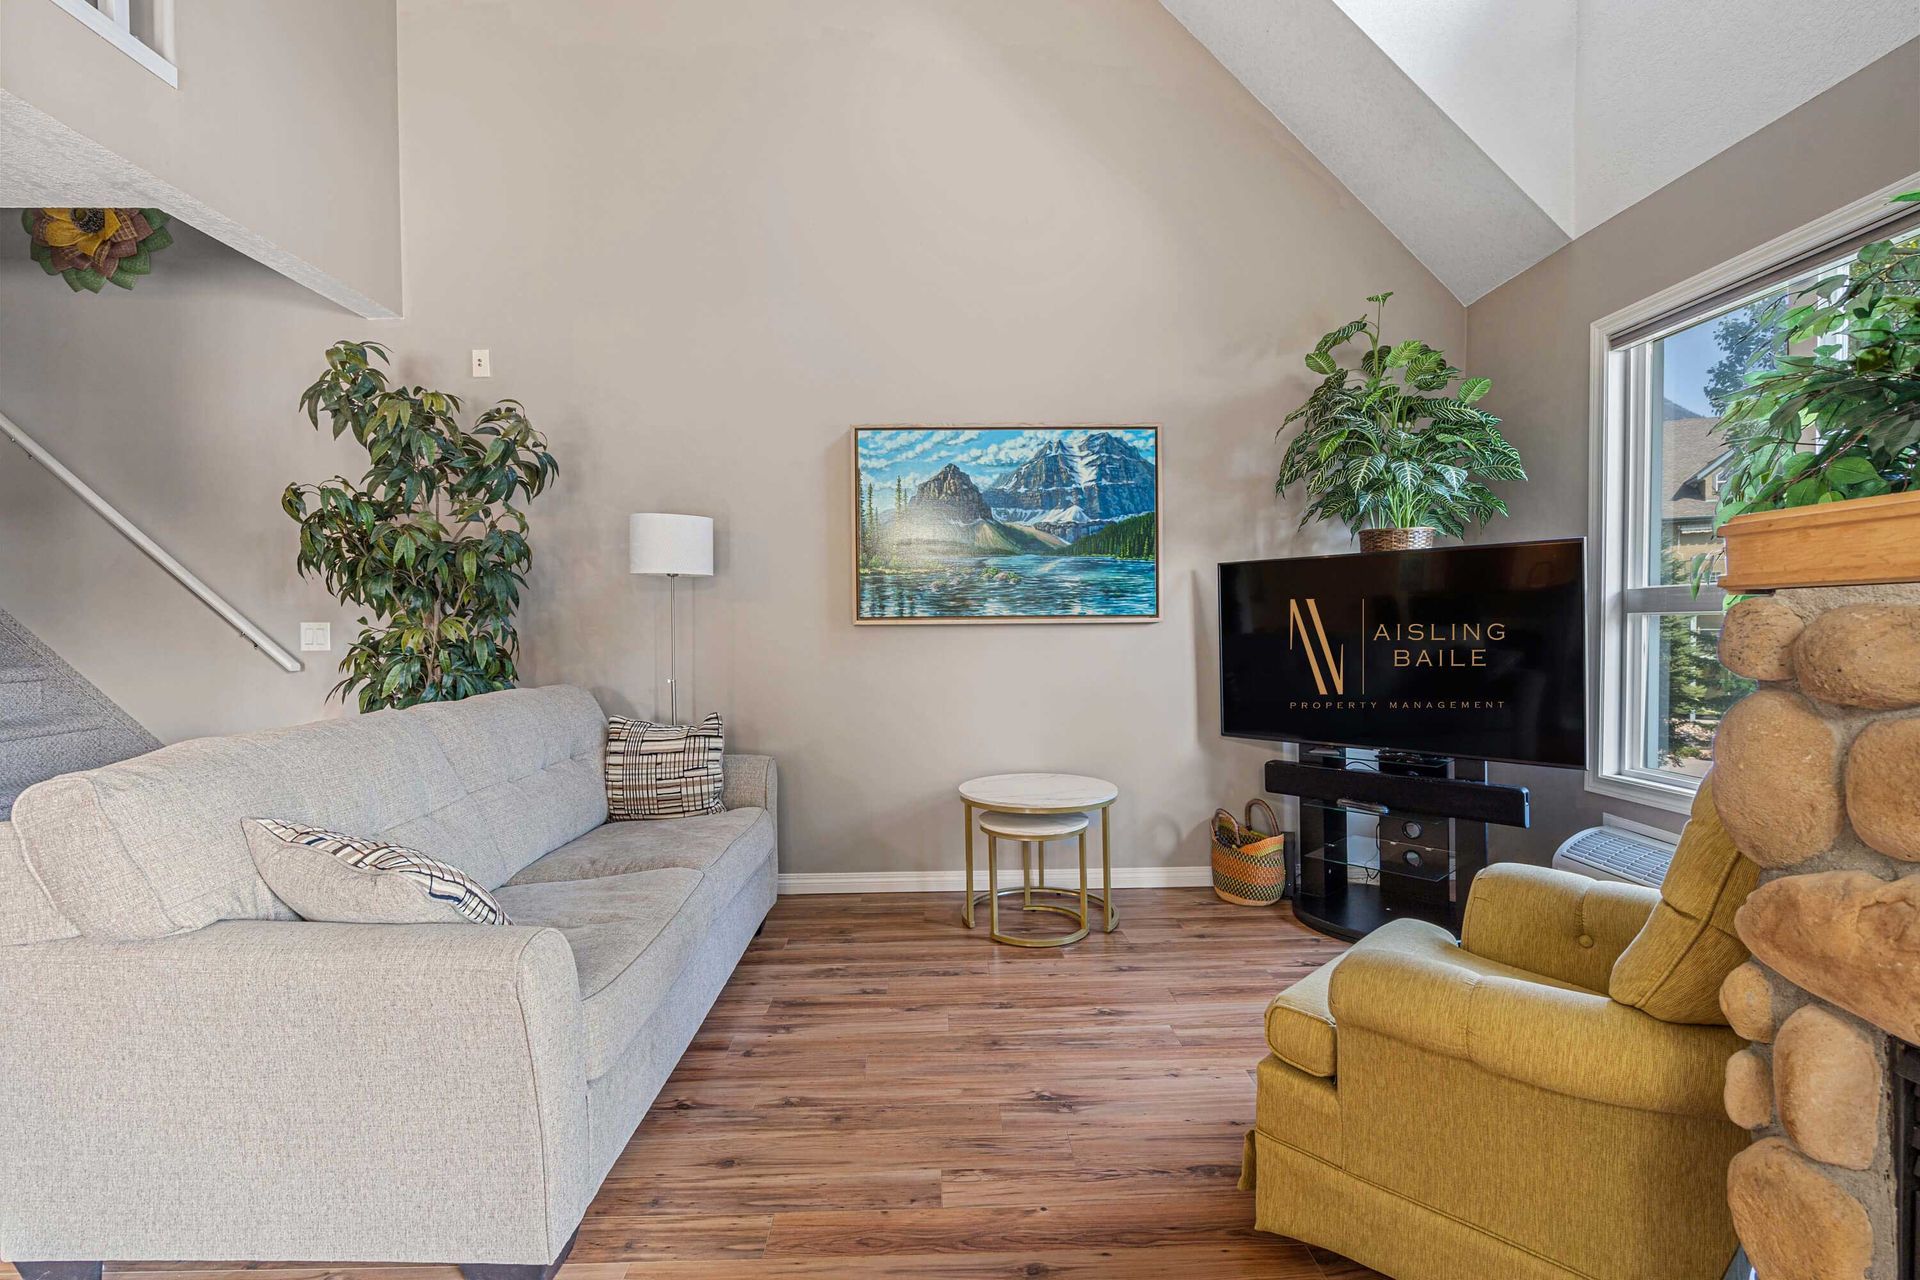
x=1476, y=651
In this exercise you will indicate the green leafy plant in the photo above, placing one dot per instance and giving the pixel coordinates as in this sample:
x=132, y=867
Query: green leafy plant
x=1840, y=417
x=430, y=541
x=1385, y=446
x=1743, y=336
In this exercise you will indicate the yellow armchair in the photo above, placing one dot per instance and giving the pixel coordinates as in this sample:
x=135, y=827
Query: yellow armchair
x=1509, y=1106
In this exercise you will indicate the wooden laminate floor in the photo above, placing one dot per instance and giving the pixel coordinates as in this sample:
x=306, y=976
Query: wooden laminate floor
x=880, y=1093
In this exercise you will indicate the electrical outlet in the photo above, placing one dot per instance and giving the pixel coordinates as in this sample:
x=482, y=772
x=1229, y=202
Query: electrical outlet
x=316, y=637
x=482, y=363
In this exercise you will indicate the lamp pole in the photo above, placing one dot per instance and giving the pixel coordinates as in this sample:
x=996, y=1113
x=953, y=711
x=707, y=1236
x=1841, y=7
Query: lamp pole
x=673, y=657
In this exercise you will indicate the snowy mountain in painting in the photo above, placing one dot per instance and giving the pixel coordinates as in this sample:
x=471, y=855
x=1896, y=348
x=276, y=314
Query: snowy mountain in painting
x=1070, y=490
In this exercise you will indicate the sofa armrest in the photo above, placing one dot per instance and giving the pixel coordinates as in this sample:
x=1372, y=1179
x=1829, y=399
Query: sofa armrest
x=1570, y=1042
x=285, y=1090
x=751, y=782
x=1554, y=923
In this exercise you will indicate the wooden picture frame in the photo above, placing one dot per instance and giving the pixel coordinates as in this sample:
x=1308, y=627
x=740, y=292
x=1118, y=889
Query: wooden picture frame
x=1005, y=523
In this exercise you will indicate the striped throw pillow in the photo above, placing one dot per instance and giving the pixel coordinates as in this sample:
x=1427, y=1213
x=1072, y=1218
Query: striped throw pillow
x=663, y=770
x=324, y=875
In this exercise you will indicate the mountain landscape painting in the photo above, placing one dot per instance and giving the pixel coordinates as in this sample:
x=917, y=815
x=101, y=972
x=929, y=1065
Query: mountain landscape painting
x=1006, y=524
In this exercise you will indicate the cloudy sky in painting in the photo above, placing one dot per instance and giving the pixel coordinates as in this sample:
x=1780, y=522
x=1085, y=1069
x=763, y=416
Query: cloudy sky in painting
x=913, y=454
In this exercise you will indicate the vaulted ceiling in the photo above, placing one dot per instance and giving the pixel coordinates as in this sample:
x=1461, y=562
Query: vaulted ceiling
x=1487, y=133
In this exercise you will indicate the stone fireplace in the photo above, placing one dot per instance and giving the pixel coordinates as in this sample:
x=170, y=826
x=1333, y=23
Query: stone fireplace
x=1817, y=778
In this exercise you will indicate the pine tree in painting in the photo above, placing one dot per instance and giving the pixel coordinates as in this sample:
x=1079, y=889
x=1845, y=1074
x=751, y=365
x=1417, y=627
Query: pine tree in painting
x=1135, y=538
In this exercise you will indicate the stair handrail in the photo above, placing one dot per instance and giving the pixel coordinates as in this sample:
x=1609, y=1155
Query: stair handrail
x=149, y=548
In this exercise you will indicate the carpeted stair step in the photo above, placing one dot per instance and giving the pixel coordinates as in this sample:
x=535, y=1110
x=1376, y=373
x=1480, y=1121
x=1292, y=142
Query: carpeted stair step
x=52, y=720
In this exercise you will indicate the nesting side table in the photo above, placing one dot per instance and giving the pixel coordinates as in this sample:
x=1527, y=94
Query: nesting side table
x=1044, y=793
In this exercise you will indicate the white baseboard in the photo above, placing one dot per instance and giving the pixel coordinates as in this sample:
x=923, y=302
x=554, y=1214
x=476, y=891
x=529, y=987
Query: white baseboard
x=954, y=881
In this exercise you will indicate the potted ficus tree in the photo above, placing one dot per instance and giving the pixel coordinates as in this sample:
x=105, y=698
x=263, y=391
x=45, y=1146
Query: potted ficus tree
x=430, y=541
x=1824, y=465
x=1387, y=449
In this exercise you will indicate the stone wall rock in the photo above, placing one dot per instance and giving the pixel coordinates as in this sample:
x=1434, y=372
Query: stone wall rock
x=1756, y=640
x=1746, y=998
x=1795, y=1223
x=1883, y=787
x=1826, y=1076
x=1849, y=937
x=1749, y=1090
x=1862, y=655
x=1817, y=779
x=1776, y=778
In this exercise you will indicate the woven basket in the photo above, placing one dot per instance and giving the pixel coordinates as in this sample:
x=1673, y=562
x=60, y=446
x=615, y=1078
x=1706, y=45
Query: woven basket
x=1416, y=539
x=1249, y=865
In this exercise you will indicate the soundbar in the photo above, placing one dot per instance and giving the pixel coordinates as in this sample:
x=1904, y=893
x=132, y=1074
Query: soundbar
x=1494, y=802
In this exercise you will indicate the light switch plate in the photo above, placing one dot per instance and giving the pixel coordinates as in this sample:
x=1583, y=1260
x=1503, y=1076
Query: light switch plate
x=316, y=637
x=482, y=363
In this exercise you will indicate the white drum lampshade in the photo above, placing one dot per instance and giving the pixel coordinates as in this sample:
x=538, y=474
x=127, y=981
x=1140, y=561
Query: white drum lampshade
x=675, y=546
x=671, y=544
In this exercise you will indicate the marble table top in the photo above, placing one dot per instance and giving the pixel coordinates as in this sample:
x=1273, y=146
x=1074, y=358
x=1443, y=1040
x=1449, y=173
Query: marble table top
x=1033, y=826
x=1038, y=792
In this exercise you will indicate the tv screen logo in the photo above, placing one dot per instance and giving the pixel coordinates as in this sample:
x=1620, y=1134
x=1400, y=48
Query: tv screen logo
x=1327, y=661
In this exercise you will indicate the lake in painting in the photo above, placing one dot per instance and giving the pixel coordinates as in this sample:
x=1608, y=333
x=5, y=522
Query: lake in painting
x=1014, y=523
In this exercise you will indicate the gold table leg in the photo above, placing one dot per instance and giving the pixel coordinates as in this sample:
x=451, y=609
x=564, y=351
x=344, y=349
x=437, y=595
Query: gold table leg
x=966, y=907
x=1106, y=865
x=1027, y=892
x=993, y=885
x=1083, y=880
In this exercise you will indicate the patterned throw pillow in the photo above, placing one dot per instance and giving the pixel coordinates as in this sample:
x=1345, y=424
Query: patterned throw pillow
x=663, y=770
x=324, y=875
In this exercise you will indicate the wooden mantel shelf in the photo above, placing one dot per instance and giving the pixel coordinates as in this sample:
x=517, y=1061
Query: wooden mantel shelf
x=1854, y=543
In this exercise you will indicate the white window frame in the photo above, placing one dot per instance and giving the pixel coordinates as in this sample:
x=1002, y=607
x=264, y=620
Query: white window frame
x=1622, y=472
x=113, y=20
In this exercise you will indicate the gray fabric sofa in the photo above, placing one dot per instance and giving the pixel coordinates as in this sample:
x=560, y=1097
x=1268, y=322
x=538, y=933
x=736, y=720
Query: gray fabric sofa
x=188, y=1072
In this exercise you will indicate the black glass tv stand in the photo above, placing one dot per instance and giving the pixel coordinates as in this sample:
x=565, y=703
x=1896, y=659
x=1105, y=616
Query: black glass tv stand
x=1388, y=835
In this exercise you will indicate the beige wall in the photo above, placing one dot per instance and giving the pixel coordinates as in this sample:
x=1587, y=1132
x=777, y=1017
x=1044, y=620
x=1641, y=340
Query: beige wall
x=1531, y=335
x=177, y=402
x=701, y=241
x=284, y=123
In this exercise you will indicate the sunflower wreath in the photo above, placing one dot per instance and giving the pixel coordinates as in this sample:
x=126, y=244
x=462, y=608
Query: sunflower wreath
x=92, y=247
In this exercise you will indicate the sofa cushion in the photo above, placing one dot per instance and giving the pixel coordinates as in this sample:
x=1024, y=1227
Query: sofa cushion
x=27, y=914
x=664, y=770
x=725, y=845
x=528, y=763
x=1303, y=1026
x=341, y=879
x=153, y=845
x=1674, y=968
x=631, y=936
x=1554, y=923
x=1300, y=1025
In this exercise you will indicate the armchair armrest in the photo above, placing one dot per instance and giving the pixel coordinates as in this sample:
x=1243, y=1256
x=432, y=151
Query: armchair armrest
x=1571, y=1042
x=751, y=782
x=1554, y=923
x=277, y=1090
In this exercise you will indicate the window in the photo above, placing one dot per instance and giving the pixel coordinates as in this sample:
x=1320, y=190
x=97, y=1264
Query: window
x=1664, y=373
x=141, y=29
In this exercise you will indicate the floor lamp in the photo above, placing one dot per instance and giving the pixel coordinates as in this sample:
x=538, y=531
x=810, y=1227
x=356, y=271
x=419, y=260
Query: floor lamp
x=672, y=546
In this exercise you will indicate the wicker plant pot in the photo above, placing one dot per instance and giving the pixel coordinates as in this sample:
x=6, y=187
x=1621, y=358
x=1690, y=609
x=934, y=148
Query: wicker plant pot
x=1416, y=539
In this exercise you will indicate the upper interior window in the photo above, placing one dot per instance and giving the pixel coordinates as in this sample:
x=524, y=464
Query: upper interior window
x=1669, y=641
x=1666, y=374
